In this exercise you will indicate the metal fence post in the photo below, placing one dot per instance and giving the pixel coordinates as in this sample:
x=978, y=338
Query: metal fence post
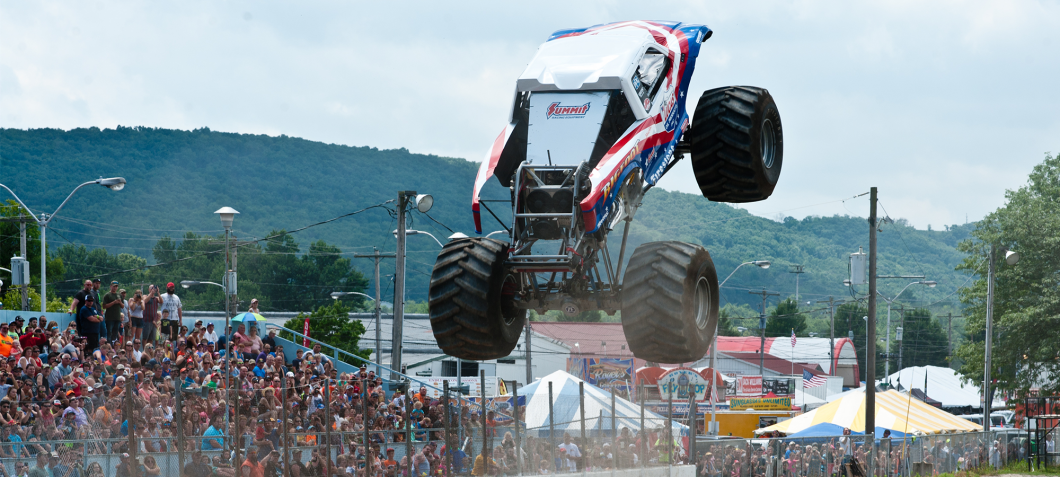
x=643, y=431
x=130, y=424
x=366, y=424
x=327, y=426
x=693, y=422
x=669, y=434
x=581, y=411
x=286, y=437
x=551, y=431
x=614, y=435
x=515, y=422
x=408, y=430
x=446, y=423
x=485, y=429
x=180, y=430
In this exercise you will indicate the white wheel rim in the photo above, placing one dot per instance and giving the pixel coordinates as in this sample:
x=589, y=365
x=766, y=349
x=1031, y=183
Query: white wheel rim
x=769, y=144
x=701, y=303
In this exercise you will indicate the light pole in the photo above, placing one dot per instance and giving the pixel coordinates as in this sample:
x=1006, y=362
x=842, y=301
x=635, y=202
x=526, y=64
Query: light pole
x=112, y=183
x=228, y=216
x=378, y=338
x=890, y=301
x=1011, y=258
x=423, y=203
x=762, y=264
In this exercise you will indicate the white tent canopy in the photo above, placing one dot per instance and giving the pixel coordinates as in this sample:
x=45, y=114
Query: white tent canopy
x=943, y=384
x=566, y=409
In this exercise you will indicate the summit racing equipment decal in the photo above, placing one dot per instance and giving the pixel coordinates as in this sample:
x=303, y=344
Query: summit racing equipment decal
x=558, y=111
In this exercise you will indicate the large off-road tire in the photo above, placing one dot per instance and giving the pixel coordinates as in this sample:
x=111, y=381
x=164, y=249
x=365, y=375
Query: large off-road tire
x=470, y=300
x=737, y=144
x=670, y=302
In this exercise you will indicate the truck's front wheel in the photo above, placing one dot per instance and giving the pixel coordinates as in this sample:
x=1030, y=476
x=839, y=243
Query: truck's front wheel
x=471, y=299
x=670, y=302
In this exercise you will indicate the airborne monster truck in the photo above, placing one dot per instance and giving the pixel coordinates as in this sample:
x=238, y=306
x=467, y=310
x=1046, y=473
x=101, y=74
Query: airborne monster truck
x=597, y=118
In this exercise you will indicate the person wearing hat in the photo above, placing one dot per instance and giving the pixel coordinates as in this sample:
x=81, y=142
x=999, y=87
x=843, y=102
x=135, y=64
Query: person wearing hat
x=90, y=323
x=171, y=302
x=112, y=312
x=211, y=335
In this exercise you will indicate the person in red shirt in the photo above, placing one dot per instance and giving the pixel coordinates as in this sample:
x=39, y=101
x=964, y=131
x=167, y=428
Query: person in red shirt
x=34, y=338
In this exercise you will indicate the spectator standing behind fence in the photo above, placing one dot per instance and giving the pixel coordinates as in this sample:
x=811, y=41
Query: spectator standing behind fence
x=112, y=306
x=77, y=303
x=171, y=302
x=136, y=315
x=151, y=314
x=90, y=320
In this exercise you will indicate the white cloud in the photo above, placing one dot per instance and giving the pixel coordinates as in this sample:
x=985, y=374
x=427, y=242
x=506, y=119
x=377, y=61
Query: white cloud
x=943, y=105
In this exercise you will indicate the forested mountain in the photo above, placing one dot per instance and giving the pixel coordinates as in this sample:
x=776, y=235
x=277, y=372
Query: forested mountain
x=177, y=179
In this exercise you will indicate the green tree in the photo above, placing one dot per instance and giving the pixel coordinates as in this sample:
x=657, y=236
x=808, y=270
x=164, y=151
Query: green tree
x=785, y=318
x=1026, y=345
x=331, y=324
x=731, y=317
x=923, y=342
x=849, y=317
x=10, y=246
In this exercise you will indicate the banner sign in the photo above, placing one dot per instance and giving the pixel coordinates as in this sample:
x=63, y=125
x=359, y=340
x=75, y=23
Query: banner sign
x=610, y=374
x=749, y=386
x=473, y=383
x=502, y=406
x=305, y=340
x=680, y=383
x=779, y=386
x=760, y=403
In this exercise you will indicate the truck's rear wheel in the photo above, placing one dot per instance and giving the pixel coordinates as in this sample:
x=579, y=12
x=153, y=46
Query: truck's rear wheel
x=670, y=302
x=737, y=144
x=470, y=299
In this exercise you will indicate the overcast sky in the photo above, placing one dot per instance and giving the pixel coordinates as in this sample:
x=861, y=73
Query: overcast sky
x=942, y=105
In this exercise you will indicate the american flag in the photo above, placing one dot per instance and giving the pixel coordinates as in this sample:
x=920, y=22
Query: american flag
x=811, y=381
x=792, y=337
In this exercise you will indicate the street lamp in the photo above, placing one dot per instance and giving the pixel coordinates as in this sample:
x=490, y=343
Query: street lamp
x=228, y=216
x=890, y=301
x=741, y=329
x=764, y=265
x=112, y=183
x=420, y=232
x=337, y=295
x=1011, y=258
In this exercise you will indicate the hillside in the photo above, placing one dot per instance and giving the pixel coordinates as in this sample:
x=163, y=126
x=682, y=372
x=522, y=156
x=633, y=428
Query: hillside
x=176, y=179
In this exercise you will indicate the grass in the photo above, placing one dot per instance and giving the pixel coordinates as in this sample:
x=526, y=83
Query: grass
x=1013, y=468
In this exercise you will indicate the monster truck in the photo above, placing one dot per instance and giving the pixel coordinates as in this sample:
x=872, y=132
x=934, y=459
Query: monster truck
x=597, y=118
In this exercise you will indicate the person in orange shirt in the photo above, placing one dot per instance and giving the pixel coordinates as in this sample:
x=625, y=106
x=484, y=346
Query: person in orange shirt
x=6, y=341
x=422, y=396
x=252, y=467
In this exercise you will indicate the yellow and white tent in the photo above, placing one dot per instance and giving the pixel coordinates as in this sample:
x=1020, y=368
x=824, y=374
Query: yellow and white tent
x=891, y=410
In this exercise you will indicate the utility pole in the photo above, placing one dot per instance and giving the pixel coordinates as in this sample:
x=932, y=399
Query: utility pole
x=870, y=352
x=901, y=345
x=22, y=220
x=529, y=366
x=949, y=332
x=762, y=326
x=797, y=270
x=22, y=253
x=378, y=311
x=831, y=301
x=399, y=281
x=987, y=401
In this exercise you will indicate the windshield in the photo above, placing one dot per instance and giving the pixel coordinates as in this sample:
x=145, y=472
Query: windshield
x=649, y=72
